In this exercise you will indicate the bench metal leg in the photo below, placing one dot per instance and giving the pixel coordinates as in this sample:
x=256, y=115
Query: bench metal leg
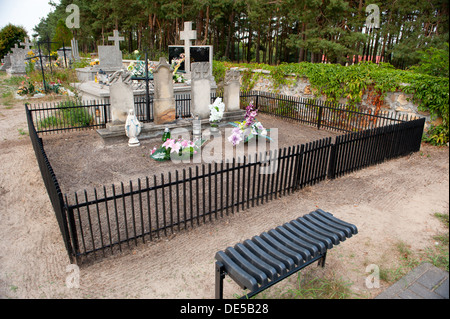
x=220, y=275
x=322, y=260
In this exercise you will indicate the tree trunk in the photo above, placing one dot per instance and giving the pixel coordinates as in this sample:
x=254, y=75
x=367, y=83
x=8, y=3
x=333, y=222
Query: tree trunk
x=199, y=27
x=249, y=44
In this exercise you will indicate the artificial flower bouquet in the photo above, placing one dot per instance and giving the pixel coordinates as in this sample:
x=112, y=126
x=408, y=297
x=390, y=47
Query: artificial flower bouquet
x=181, y=147
x=216, y=112
x=175, y=64
x=249, y=128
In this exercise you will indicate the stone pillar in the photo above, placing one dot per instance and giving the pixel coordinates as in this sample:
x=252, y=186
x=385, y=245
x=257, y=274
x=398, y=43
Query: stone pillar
x=164, y=108
x=122, y=100
x=231, y=95
x=75, y=52
x=200, y=89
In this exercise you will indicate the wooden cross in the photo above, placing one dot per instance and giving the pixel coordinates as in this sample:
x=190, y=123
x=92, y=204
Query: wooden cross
x=116, y=39
x=187, y=36
x=27, y=44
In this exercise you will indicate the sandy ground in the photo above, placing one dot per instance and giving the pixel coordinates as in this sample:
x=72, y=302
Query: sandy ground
x=389, y=203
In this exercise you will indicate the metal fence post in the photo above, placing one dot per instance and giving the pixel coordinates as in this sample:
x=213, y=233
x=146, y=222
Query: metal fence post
x=319, y=120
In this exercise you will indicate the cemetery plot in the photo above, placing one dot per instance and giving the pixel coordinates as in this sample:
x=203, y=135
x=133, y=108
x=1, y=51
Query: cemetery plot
x=87, y=163
x=165, y=197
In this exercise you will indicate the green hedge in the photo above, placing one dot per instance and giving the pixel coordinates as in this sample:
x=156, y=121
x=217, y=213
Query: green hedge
x=431, y=93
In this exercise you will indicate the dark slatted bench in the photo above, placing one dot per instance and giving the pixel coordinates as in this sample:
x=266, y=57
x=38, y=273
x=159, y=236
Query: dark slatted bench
x=266, y=259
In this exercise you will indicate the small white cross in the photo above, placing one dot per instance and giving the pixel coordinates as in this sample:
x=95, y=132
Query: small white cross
x=116, y=39
x=187, y=36
x=27, y=44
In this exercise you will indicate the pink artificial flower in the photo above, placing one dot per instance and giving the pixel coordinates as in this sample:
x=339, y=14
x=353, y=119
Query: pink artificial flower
x=185, y=143
x=153, y=151
x=168, y=143
x=235, y=139
x=236, y=130
x=175, y=148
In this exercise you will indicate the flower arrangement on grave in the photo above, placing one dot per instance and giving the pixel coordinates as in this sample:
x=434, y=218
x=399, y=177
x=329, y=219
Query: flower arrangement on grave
x=175, y=64
x=216, y=112
x=137, y=68
x=178, y=146
x=249, y=128
x=95, y=62
x=27, y=87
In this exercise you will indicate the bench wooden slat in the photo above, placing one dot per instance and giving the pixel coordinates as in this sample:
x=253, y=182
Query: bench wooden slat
x=275, y=263
x=306, y=255
x=347, y=231
x=258, y=274
x=338, y=221
x=298, y=259
x=313, y=249
x=325, y=240
x=326, y=227
x=238, y=274
x=288, y=261
x=320, y=245
x=270, y=271
x=334, y=238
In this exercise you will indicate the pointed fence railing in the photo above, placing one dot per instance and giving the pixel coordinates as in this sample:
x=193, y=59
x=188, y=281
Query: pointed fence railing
x=108, y=219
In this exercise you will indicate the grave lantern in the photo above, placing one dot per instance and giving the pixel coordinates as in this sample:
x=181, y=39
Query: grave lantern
x=197, y=127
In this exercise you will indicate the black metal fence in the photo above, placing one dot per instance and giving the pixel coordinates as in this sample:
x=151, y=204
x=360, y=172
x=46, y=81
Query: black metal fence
x=109, y=219
x=329, y=115
x=51, y=184
x=80, y=115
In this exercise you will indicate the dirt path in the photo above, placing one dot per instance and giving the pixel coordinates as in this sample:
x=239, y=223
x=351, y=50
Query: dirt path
x=389, y=203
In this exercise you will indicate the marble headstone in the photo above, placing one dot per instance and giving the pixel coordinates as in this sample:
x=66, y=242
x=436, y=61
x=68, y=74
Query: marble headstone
x=200, y=89
x=17, y=61
x=231, y=95
x=6, y=63
x=122, y=100
x=164, y=109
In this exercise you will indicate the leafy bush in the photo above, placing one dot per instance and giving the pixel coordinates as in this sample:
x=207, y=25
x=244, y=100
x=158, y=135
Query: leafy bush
x=437, y=135
x=335, y=81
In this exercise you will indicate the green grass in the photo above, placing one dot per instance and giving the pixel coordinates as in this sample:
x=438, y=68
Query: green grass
x=437, y=254
x=310, y=285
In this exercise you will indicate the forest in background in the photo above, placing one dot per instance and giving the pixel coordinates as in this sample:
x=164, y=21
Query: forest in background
x=263, y=31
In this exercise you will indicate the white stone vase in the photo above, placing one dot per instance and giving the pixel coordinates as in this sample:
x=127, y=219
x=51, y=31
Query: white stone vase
x=132, y=129
x=214, y=127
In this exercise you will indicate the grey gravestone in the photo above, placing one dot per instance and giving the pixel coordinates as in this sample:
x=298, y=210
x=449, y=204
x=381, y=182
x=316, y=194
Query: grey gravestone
x=17, y=61
x=164, y=100
x=122, y=100
x=6, y=62
x=110, y=58
x=232, y=90
x=200, y=89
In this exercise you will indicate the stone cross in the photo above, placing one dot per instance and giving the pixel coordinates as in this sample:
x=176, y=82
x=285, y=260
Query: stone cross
x=164, y=108
x=116, y=39
x=27, y=44
x=187, y=36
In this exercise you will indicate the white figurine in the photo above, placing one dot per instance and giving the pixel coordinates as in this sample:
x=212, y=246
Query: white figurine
x=132, y=128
